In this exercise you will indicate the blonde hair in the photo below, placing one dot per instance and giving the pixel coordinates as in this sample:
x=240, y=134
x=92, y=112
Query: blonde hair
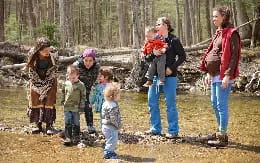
x=111, y=91
x=150, y=29
x=72, y=69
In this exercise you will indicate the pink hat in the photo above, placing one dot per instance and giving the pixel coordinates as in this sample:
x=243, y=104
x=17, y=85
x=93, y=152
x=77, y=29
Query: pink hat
x=89, y=53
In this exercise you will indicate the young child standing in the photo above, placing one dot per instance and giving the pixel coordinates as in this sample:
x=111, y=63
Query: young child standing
x=156, y=62
x=104, y=78
x=73, y=101
x=111, y=119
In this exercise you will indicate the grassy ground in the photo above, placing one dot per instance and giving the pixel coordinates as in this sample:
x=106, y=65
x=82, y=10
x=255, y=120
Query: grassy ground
x=195, y=117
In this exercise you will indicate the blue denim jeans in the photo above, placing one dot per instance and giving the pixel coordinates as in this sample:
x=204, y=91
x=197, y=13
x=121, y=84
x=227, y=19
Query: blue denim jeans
x=111, y=135
x=219, y=102
x=169, y=89
x=72, y=118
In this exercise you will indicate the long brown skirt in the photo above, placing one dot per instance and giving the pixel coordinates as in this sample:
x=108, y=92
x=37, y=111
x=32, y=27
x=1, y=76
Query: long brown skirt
x=42, y=115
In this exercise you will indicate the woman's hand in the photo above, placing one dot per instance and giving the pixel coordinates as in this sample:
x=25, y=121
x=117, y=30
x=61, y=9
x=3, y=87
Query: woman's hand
x=208, y=79
x=168, y=71
x=225, y=82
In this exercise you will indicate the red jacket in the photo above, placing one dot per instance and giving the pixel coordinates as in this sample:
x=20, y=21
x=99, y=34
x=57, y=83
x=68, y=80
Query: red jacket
x=153, y=44
x=226, y=54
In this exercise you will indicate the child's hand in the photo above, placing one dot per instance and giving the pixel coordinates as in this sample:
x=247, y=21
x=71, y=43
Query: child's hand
x=157, y=52
x=90, y=105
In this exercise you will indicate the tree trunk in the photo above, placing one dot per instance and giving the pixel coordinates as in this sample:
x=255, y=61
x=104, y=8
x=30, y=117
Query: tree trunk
x=212, y=26
x=153, y=11
x=66, y=23
x=234, y=13
x=187, y=23
x=136, y=24
x=32, y=19
x=255, y=27
x=2, y=20
x=177, y=18
x=208, y=18
x=193, y=20
x=121, y=23
x=146, y=13
x=245, y=32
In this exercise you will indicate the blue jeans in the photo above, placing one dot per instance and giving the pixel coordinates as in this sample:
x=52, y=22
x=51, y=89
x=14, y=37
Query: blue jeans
x=72, y=118
x=169, y=89
x=111, y=135
x=219, y=102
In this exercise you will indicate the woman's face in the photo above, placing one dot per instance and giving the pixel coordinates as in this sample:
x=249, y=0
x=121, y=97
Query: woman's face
x=45, y=52
x=161, y=27
x=88, y=62
x=217, y=19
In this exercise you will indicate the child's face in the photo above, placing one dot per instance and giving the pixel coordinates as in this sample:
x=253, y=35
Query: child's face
x=74, y=77
x=101, y=78
x=88, y=62
x=149, y=35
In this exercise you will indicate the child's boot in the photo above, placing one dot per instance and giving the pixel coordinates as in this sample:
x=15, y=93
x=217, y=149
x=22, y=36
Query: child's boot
x=75, y=134
x=68, y=134
x=148, y=83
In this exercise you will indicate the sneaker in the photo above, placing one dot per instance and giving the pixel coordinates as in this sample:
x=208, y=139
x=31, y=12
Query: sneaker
x=161, y=82
x=36, y=131
x=50, y=131
x=110, y=155
x=148, y=83
x=220, y=141
x=67, y=142
x=171, y=136
x=149, y=132
x=91, y=130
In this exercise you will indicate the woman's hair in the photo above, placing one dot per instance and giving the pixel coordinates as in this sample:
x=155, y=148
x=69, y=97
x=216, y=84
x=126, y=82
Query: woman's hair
x=107, y=73
x=226, y=14
x=72, y=69
x=150, y=29
x=111, y=91
x=165, y=20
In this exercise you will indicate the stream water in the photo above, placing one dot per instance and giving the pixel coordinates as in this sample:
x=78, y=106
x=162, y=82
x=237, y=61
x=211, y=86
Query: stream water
x=195, y=117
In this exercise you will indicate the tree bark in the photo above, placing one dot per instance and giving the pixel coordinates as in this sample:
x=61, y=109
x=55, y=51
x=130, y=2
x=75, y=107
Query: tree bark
x=208, y=16
x=187, y=23
x=2, y=20
x=177, y=18
x=66, y=23
x=242, y=17
x=32, y=19
x=121, y=23
x=255, y=27
x=136, y=24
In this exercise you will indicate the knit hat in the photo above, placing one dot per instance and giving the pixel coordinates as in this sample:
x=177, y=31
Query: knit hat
x=89, y=53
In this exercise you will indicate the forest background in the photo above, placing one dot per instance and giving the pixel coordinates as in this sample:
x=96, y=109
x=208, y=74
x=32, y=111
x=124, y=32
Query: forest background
x=118, y=23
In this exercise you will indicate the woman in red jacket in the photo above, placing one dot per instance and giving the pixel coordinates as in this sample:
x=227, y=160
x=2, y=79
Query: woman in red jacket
x=220, y=62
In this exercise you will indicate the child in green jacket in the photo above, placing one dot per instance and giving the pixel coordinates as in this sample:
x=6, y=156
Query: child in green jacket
x=73, y=101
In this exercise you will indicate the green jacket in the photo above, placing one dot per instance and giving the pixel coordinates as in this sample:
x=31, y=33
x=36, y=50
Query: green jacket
x=73, y=96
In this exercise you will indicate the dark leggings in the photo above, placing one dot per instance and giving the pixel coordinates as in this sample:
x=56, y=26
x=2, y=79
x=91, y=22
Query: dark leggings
x=88, y=113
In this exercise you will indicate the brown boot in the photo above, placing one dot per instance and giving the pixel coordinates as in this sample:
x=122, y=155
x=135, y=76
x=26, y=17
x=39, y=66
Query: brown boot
x=221, y=141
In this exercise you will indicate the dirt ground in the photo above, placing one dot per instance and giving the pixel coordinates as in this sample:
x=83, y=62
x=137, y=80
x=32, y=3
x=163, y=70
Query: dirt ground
x=195, y=117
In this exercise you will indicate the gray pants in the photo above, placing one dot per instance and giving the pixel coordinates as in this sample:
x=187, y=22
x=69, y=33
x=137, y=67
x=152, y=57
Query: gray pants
x=157, y=65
